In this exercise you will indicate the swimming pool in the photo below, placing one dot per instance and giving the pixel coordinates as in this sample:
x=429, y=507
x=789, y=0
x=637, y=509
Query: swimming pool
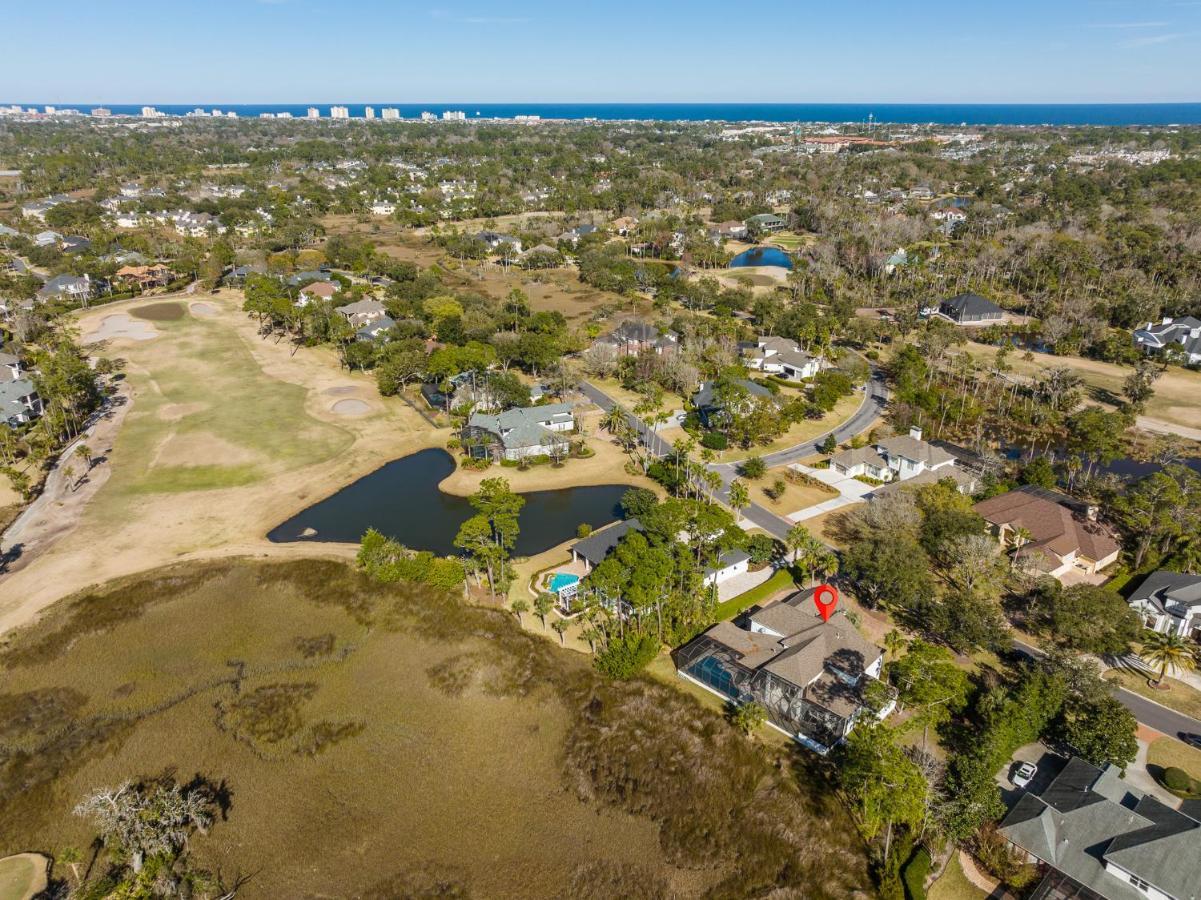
x=560, y=580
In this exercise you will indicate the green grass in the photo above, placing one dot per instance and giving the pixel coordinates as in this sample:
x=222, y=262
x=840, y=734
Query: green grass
x=953, y=884
x=1180, y=696
x=389, y=741
x=206, y=416
x=1167, y=753
x=780, y=581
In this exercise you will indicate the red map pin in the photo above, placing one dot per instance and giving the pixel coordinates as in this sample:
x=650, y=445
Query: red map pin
x=825, y=598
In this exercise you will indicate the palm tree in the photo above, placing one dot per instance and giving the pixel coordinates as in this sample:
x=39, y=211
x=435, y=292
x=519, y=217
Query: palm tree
x=1167, y=652
x=614, y=420
x=560, y=627
x=740, y=498
x=543, y=605
x=894, y=643
x=519, y=607
x=1021, y=537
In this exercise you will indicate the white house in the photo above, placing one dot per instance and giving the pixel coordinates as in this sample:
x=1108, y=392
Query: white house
x=1181, y=336
x=780, y=356
x=896, y=458
x=1170, y=602
x=19, y=401
x=729, y=565
x=518, y=433
x=383, y=208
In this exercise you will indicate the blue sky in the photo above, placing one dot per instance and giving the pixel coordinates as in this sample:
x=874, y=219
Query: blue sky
x=325, y=51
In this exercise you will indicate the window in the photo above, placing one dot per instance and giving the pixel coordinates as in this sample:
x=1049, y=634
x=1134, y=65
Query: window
x=1139, y=883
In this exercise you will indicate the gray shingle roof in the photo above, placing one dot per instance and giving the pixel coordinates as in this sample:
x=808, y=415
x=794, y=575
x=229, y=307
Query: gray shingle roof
x=600, y=544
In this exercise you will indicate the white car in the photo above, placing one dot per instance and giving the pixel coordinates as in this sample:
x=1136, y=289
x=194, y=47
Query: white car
x=1024, y=774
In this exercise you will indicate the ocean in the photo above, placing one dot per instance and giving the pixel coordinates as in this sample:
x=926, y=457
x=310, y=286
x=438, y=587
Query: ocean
x=1113, y=114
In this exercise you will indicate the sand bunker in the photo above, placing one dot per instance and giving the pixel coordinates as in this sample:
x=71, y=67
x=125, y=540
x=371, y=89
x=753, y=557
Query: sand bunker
x=346, y=390
x=120, y=325
x=350, y=408
x=200, y=308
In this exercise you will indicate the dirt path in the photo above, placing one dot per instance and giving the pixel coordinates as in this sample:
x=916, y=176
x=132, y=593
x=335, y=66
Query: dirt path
x=1158, y=427
x=58, y=509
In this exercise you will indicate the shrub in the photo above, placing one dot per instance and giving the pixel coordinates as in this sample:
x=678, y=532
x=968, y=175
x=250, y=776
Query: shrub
x=626, y=656
x=914, y=874
x=761, y=547
x=454, y=444
x=715, y=440
x=1178, y=780
x=583, y=530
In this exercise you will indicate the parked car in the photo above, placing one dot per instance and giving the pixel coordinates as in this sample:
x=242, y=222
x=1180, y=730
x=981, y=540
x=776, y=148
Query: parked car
x=1024, y=775
x=1193, y=740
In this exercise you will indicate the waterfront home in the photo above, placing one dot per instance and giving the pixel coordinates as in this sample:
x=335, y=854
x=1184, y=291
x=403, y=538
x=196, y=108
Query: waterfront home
x=810, y=675
x=516, y=434
x=1169, y=602
x=970, y=309
x=631, y=338
x=1093, y=835
x=765, y=223
x=144, y=277
x=19, y=402
x=592, y=550
x=1172, y=337
x=783, y=357
x=1064, y=536
x=711, y=401
x=732, y=231
x=361, y=312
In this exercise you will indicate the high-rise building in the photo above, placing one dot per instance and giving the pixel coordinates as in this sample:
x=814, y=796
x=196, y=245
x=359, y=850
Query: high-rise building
x=314, y=113
x=391, y=113
x=454, y=115
x=101, y=112
x=149, y=112
x=51, y=110
x=339, y=112
x=369, y=112
x=428, y=117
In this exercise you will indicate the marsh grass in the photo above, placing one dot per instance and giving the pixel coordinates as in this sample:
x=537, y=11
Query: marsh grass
x=405, y=745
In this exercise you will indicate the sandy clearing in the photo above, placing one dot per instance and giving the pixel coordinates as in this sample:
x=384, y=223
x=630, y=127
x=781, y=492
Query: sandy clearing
x=351, y=408
x=118, y=326
x=202, y=308
x=341, y=391
x=173, y=412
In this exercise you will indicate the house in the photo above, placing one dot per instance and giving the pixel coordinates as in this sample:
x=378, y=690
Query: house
x=765, y=223
x=624, y=225
x=573, y=236
x=143, y=276
x=1170, y=602
x=383, y=208
x=375, y=329
x=128, y=220
x=970, y=309
x=899, y=259
x=783, y=357
x=494, y=240
x=631, y=338
x=711, y=407
x=921, y=192
x=898, y=458
x=361, y=312
x=6, y=232
x=318, y=290
x=47, y=238
x=809, y=674
x=19, y=401
x=1182, y=336
x=734, y=231
x=72, y=287
x=74, y=243
x=1063, y=535
x=1095, y=836
x=10, y=367
x=949, y=215
x=592, y=550
x=306, y=276
x=519, y=433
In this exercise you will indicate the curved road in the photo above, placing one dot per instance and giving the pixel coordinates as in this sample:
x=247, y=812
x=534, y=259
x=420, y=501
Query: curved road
x=874, y=397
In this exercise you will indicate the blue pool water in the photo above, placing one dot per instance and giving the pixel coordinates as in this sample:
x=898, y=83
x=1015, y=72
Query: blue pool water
x=761, y=256
x=560, y=580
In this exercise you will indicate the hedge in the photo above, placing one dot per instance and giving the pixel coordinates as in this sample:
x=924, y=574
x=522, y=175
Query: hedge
x=915, y=873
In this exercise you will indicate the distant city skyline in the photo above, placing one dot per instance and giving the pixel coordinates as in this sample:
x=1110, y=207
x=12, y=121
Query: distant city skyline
x=446, y=53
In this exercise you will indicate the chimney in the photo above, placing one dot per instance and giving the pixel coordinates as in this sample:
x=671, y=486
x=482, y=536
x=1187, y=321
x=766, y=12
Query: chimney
x=1092, y=513
x=915, y=432
x=1167, y=320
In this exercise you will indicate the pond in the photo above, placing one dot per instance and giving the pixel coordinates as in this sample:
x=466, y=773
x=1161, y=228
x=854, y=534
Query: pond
x=761, y=256
x=402, y=500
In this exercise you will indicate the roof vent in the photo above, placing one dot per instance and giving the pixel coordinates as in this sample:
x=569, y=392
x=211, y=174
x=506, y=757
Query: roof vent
x=915, y=432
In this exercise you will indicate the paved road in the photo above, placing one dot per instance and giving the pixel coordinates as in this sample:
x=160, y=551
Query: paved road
x=868, y=412
x=1146, y=711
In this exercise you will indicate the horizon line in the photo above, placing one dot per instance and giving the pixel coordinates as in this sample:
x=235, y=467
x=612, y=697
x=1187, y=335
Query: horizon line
x=606, y=102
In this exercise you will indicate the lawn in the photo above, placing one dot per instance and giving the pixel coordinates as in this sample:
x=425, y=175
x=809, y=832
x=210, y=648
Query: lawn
x=1176, y=392
x=378, y=740
x=1168, y=752
x=1180, y=697
x=953, y=884
x=796, y=496
x=781, y=581
x=21, y=877
x=802, y=431
x=630, y=399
